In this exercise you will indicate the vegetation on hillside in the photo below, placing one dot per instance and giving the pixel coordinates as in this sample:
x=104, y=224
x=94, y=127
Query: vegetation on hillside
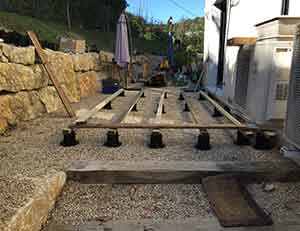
x=95, y=21
x=190, y=33
x=89, y=14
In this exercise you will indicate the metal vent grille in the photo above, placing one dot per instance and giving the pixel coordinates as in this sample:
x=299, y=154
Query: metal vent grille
x=293, y=111
x=242, y=76
x=282, y=91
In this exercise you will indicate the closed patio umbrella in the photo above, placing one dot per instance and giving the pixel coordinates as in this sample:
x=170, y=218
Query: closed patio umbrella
x=122, y=56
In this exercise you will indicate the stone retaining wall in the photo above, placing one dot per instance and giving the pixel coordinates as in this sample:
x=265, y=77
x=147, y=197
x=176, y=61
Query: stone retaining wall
x=26, y=91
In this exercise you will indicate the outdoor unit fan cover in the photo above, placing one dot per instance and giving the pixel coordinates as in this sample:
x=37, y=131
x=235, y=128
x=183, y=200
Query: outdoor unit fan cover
x=292, y=129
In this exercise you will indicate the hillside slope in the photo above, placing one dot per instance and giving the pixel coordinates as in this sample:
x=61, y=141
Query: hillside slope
x=51, y=32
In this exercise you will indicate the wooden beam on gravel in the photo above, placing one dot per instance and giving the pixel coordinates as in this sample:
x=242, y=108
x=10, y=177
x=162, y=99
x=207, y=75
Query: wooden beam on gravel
x=132, y=105
x=193, y=114
x=158, y=126
x=221, y=109
x=44, y=59
x=160, y=107
x=188, y=224
x=98, y=107
x=170, y=172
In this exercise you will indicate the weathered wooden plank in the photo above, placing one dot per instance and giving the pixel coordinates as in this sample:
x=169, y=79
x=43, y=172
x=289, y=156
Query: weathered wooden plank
x=160, y=107
x=193, y=114
x=156, y=172
x=98, y=107
x=158, y=126
x=50, y=74
x=221, y=109
x=240, y=41
x=135, y=101
x=189, y=224
x=240, y=211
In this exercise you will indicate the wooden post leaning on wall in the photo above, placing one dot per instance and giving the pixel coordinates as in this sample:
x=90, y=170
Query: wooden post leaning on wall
x=44, y=59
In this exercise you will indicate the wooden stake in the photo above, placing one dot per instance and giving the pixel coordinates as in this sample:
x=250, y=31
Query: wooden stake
x=59, y=90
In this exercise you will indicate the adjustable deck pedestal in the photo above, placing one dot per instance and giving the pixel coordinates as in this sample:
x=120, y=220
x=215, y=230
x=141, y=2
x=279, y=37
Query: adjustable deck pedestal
x=69, y=138
x=242, y=138
x=203, y=141
x=216, y=113
x=112, y=139
x=156, y=140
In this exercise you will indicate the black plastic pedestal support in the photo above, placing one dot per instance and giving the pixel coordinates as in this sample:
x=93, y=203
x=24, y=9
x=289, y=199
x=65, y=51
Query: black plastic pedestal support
x=112, y=139
x=217, y=113
x=108, y=106
x=242, y=139
x=186, y=108
x=203, y=143
x=156, y=140
x=69, y=138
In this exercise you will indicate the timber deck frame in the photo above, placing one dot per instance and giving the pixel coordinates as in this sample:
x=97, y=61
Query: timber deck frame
x=82, y=122
x=156, y=124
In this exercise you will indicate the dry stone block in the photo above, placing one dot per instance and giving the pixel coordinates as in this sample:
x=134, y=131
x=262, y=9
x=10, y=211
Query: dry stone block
x=88, y=84
x=72, y=92
x=50, y=99
x=26, y=105
x=106, y=56
x=34, y=214
x=62, y=67
x=19, y=55
x=16, y=77
x=6, y=116
x=86, y=62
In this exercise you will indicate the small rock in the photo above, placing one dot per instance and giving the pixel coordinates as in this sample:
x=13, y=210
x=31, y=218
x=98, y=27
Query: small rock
x=268, y=188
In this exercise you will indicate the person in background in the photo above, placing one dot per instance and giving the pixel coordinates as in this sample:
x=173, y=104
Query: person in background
x=170, y=24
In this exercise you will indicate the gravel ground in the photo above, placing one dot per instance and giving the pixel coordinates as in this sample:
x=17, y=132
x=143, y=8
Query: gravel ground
x=33, y=149
x=15, y=192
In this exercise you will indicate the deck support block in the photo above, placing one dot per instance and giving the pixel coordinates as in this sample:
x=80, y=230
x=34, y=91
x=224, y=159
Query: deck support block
x=113, y=139
x=108, y=106
x=217, y=113
x=261, y=141
x=203, y=143
x=226, y=108
x=201, y=97
x=181, y=98
x=156, y=140
x=186, y=108
x=163, y=109
x=122, y=94
x=69, y=138
x=134, y=108
x=242, y=139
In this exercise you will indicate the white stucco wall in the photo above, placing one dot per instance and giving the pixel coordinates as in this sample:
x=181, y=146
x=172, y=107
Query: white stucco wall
x=294, y=8
x=211, y=42
x=244, y=16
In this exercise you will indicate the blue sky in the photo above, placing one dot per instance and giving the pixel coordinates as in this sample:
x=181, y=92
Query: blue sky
x=162, y=9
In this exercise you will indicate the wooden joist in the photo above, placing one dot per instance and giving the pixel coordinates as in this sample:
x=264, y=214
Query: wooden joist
x=158, y=172
x=132, y=105
x=240, y=41
x=160, y=107
x=44, y=59
x=221, y=109
x=193, y=114
x=158, y=126
x=98, y=107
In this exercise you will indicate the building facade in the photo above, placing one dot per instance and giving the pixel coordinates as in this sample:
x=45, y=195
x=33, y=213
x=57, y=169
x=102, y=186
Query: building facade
x=226, y=19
